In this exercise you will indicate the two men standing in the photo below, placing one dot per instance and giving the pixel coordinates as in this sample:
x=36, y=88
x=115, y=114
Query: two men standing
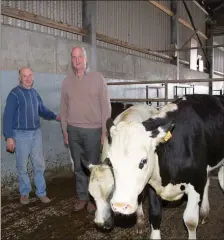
x=85, y=107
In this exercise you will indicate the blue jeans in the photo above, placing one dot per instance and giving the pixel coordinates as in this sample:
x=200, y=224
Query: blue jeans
x=29, y=144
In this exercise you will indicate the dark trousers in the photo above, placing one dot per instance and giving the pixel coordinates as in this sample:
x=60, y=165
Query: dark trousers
x=84, y=144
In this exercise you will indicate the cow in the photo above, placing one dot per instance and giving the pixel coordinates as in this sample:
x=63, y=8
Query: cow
x=171, y=154
x=101, y=184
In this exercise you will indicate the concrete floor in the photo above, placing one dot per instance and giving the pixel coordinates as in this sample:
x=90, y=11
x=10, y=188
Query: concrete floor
x=57, y=220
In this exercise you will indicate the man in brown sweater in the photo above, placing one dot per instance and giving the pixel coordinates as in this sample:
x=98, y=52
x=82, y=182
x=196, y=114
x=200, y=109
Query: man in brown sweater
x=85, y=107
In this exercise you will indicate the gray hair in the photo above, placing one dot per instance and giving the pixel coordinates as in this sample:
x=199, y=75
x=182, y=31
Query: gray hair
x=85, y=55
x=82, y=48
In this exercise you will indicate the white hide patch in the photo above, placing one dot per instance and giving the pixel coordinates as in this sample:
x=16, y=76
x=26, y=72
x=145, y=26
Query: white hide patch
x=191, y=213
x=130, y=145
x=101, y=179
x=101, y=182
x=100, y=187
x=184, y=98
x=171, y=107
x=155, y=233
x=220, y=173
x=170, y=192
x=103, y=211
x=136, y=113
x=205, y=202
x=221, y=177
x=209, y=168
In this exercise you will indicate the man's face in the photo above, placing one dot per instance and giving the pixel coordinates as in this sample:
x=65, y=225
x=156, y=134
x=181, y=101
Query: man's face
x=78, y=59
x=26, y=77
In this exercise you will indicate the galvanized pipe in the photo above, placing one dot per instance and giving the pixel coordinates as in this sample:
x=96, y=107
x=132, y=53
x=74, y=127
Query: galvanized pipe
x=166, y=81
x=140, y=100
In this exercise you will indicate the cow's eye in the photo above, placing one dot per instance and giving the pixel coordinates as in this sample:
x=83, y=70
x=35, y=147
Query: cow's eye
x=142, y=163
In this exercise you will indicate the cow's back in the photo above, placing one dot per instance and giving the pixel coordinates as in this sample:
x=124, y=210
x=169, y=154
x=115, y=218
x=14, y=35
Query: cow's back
x=197, y=140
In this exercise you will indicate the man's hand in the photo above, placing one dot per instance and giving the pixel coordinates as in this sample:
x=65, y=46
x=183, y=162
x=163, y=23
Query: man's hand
x=65, y=134
x=58, y=118
x=10, y=145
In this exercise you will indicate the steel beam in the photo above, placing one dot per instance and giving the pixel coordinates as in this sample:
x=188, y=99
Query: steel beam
x=195, y=30
x=175, y=37
x=190, y=48
x=199, y=6
x=89, y=23
x=210, y=54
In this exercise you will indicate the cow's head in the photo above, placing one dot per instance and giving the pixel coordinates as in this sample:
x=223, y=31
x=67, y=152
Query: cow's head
x=132, y=156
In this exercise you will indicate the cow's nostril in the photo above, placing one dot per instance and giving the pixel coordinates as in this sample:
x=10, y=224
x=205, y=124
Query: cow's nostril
x=116, y=206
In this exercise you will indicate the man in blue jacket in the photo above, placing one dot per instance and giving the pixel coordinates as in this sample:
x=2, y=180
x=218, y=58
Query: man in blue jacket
x=21, y=128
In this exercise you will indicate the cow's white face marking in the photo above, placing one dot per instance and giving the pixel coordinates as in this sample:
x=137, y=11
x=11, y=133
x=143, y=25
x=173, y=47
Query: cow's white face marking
x=132, y=155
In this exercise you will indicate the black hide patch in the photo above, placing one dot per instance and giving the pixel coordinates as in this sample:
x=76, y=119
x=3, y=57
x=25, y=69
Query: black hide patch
x=197, y=140
x=109, y=124
x=155, y=133
x=152, y=125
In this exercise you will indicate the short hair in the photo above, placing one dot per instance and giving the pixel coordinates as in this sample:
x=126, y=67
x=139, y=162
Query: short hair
x=25, y=67
x=82, y=48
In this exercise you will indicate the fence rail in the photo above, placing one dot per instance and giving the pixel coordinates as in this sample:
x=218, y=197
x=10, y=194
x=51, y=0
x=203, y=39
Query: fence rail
x=163, y=82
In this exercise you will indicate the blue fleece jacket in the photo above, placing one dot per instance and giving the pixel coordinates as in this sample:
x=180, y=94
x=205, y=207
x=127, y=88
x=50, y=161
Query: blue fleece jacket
x=23, y=110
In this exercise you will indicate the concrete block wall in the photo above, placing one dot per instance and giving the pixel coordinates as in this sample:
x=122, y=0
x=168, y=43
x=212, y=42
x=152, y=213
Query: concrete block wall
x=49, y=57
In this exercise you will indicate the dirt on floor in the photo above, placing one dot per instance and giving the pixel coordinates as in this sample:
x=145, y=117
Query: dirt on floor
x=57, y=220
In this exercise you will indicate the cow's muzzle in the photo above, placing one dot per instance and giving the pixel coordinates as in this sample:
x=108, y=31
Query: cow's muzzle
x=123, y=208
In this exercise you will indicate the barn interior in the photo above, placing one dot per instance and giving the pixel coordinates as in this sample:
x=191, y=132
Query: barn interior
x=148, y=51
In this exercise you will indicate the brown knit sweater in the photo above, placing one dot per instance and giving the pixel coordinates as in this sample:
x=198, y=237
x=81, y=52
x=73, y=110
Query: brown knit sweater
x=85, y=102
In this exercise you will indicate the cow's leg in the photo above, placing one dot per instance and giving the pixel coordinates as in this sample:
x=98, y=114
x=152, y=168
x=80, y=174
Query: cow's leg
x=221, y=176
x=205, y=208
x=155, y=213
x=191, y=213
x=140, y=215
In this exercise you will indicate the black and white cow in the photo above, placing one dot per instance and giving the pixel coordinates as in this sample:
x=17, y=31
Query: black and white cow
x=173, y=153
x=101, y=184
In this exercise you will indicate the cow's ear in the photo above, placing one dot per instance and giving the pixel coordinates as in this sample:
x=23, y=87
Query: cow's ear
x=163, y=133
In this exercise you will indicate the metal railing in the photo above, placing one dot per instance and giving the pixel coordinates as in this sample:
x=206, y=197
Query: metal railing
x=163, y=82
